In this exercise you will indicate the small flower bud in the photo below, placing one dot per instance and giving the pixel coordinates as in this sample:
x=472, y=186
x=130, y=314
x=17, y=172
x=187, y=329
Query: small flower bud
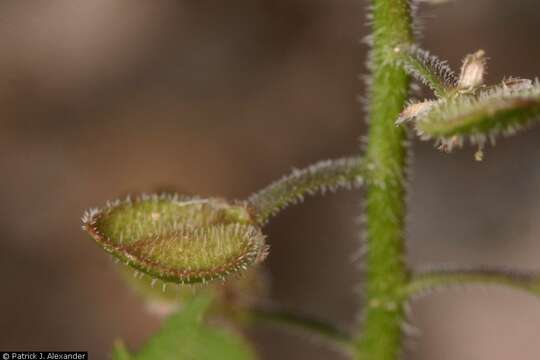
x=472, y=70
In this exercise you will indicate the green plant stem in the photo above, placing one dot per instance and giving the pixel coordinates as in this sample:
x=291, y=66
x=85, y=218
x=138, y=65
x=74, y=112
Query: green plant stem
x=323, y=176
x=380, y=336
x=298, y=322
x=426, y=282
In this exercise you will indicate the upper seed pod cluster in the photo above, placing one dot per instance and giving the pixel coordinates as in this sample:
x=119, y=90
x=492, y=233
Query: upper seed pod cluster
x=466, y=109
x=181, y=240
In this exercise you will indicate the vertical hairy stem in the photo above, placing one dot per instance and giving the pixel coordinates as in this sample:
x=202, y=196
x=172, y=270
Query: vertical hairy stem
x=387, y=275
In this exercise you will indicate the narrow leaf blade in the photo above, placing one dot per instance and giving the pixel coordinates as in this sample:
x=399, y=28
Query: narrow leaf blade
x=427, y=68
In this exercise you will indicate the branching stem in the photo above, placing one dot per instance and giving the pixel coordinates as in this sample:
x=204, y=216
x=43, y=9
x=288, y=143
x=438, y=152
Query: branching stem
x=425, y=282
x=327, y=175
x=308, y=325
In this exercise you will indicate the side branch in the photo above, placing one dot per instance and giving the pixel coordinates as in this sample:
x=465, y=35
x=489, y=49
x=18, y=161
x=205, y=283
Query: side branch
x=320, y=329
x=425, y=282
x=328, y=175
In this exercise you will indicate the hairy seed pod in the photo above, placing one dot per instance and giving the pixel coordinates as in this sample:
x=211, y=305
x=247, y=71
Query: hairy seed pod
x=497, y=110
x=181, y=240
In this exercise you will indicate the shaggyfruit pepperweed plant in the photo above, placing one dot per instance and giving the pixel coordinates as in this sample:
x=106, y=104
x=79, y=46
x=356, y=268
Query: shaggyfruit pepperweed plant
x=218, y=243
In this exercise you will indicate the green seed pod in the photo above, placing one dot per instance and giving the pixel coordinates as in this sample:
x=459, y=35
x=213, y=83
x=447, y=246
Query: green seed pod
x=497, y=110
x=181, y=240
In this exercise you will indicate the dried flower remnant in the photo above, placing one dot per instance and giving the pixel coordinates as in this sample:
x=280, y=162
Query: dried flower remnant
x=479, y=154
x=473, y=70
x=414, y=110
x=512, y=83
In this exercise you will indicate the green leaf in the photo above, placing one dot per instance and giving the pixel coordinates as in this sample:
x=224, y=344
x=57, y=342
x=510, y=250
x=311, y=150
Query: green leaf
x=120, y=352
x=184, y=336
x=427, y=68
x=181, y=240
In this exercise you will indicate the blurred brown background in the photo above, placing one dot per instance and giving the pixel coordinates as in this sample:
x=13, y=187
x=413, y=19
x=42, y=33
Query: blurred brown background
x=99, y=98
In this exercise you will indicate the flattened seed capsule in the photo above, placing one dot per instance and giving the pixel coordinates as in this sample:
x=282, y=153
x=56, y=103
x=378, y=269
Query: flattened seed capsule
x=181, y=240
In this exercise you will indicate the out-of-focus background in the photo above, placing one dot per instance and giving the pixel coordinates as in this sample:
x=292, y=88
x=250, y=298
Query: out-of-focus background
x=101, y=98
